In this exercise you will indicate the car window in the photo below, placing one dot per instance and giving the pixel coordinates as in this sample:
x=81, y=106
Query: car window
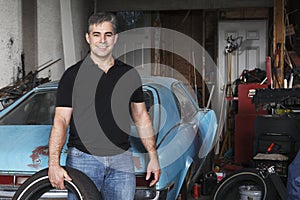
x=185, y=105
x=37, y=109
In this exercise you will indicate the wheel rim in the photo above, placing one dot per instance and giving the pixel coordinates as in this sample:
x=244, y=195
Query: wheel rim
x=229, y=188
x=44, y=186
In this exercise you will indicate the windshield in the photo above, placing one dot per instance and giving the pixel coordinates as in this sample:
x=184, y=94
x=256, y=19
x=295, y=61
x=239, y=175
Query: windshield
x=37, y=109
x=187, y=108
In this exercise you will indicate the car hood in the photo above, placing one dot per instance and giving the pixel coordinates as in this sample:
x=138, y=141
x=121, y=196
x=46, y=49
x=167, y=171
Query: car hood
x=24, y=149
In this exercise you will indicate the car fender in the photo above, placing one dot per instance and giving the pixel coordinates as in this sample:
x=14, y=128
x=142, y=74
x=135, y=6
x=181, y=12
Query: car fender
x=176, y=151
x=207, y=129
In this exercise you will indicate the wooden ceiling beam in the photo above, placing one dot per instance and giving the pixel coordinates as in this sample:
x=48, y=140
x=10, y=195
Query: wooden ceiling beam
x=152, y=5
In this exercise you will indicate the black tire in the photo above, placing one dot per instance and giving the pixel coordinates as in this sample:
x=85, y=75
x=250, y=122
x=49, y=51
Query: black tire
x=228, y=188
x=38, y=184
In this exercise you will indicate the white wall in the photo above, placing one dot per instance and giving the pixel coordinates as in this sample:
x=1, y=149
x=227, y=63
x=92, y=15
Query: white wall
x=74, y=17
x=39, y=36
x=81, y=10
x=49, y=38
x=10, y=40
x=51, y=30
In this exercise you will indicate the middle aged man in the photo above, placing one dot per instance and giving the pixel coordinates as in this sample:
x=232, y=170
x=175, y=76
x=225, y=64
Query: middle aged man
x=103, y=154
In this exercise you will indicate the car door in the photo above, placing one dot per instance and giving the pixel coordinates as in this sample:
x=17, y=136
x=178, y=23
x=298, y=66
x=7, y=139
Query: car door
x=24, y=131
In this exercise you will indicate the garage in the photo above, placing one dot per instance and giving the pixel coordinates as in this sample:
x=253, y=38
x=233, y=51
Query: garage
x=239, y=59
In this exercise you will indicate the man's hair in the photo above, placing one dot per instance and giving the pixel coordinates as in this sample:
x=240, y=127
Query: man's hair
x=100, y=17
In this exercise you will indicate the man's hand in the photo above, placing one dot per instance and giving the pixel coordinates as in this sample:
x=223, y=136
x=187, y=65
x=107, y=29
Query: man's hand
x=153, y=167
x=58, y=135
x=145, y=130
x=57, y=175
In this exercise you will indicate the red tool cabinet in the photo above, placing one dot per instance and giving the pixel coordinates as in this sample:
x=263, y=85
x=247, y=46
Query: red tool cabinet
x=244, y=123
x=245, y=94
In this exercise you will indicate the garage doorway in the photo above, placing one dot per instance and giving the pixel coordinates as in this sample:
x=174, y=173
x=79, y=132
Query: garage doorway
x=252, y=50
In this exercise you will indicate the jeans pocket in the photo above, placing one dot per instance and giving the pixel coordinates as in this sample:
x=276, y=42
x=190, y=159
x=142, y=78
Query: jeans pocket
x=74, y=152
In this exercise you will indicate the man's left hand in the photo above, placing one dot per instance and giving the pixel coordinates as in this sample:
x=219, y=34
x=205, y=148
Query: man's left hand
x=153, y=167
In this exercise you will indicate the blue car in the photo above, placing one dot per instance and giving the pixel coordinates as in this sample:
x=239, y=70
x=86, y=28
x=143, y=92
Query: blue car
x=185, y=135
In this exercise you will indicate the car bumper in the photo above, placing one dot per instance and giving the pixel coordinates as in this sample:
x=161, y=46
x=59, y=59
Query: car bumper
x=140, y=194
x=147, y=194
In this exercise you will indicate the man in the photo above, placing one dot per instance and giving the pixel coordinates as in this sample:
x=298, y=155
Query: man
x=101, y=150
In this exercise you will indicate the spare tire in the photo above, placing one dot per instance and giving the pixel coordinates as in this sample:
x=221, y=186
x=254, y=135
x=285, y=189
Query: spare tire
x=38, y=184
x=228, y=188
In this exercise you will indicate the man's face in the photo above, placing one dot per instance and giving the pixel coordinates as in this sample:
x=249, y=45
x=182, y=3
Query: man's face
x=101, y=40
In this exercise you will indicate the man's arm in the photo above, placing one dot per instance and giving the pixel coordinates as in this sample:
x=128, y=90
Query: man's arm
x=57, y=140
x=145, y=130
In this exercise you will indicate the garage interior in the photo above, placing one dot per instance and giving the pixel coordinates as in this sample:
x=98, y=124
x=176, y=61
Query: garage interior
x=256, y=90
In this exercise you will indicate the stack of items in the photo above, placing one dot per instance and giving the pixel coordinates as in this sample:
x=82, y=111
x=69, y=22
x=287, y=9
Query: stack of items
x=274, y=149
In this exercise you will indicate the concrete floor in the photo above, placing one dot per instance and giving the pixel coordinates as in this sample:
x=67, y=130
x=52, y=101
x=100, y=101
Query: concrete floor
x=202, y=197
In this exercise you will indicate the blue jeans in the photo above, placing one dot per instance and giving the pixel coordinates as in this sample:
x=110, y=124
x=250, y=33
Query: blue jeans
x=113, y=175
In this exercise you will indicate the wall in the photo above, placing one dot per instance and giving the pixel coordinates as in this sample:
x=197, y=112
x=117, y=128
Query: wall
x=10, y=41
x=50, y=30
x=33, y=28
x=29, y=35
x=49, y=38
x=81, y=10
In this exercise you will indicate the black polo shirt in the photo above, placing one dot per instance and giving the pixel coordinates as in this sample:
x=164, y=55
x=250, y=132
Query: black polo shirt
x=110, y=104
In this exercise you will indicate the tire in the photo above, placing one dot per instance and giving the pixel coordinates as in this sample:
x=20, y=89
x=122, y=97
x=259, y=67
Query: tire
x=228, y=188
x=38, y=184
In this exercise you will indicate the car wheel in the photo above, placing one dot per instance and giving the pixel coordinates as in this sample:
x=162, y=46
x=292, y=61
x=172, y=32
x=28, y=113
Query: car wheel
x=228, y=188
x=38, y=184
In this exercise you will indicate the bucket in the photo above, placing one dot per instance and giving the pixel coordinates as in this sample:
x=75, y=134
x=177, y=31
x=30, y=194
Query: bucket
x=250, y=192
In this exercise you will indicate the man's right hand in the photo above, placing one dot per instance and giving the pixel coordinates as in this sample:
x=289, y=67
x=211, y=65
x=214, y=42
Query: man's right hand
x=57, y=139
x=57, y=175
